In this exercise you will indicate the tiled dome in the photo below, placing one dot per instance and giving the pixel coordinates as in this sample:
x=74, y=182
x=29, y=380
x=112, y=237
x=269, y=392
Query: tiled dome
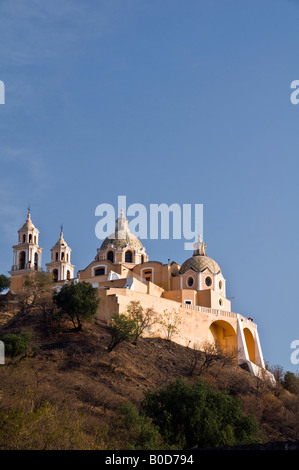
x=199, y=263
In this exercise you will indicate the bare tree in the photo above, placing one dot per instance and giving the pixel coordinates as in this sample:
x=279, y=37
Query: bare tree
x=170, y=323
x=143, y=319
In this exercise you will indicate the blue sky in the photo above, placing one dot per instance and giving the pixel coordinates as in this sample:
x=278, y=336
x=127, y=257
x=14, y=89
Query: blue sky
x=164, y=102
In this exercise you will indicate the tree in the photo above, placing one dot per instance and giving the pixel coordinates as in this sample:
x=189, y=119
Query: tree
x=38, y=283
x=291, y=382
x=197, y=415
x=135, y=430
x=143, y=319
x=121, y=329
x=78, y=301
x=170, y=323
x=4, y=282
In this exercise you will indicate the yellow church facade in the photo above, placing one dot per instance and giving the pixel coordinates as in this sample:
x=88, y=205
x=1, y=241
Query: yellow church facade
x=193, y=293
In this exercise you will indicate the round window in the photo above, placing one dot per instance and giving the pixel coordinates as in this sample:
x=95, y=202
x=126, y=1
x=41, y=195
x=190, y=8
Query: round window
x=220, y=302
x=208, y=281
x=190, y=281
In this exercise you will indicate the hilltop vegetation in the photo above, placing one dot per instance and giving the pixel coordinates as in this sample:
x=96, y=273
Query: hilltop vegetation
x=66, y=390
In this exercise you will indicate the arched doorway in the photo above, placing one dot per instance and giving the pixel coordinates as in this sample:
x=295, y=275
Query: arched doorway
x=68, y=275
x=250, y=343
x=224, y=333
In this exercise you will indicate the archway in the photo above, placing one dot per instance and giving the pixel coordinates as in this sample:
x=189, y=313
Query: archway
x=128, y=257
x=22, y=260
x=224, y=333
x=68, y=275
x=250, y=343
x=36, y=261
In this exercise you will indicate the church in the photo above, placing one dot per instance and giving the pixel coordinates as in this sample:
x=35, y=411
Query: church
x=193, y=293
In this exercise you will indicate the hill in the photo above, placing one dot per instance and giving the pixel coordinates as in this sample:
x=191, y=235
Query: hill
x=66, y=393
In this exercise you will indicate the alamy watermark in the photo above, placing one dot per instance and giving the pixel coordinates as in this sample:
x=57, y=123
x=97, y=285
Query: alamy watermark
x=2, y=353
x=2, y=92
x=187, y=221
x=295, y=354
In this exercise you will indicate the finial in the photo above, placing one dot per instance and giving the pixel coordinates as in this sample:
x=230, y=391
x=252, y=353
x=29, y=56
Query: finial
x=29, y=210
x=122, y=213
x=61, y=230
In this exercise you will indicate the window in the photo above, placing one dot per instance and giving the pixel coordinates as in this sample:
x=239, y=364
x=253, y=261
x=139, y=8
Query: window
x=68, y=275
x=190, y=281
x=99, y=272
x=208, y=281
x=110, y=256
x=36, y=261
x=142, y=259
x=30, y=238
x=62, y=256
x=24, y=238
x=220, y=302
x=22, y=260
x=56, y=256
x=147, y=274
x=128, y=257
x=220, y=284
x=188, y=302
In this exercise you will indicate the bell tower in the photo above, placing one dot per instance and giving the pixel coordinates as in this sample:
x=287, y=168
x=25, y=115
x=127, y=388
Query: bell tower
x=27, y=255
x=60, y=265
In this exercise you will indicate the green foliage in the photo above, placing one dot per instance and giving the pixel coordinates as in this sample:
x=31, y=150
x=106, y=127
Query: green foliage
x=78, y=301
x=16, y=344
x=135, y=431
x=121, y=329
x=190, y=416
x=291, y=382
x=4, y=282
x=43, y=428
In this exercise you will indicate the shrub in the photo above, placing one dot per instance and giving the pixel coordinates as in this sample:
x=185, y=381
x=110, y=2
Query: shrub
x=121, y=329
x=198, y=415
x=16, y=344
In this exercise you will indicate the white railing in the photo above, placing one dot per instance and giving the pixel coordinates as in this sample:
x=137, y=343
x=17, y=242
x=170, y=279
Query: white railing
x=216, y=312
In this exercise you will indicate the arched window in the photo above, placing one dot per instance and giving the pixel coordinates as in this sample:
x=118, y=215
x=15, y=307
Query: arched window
x=142, y=259
x=22, y=260
x=110, y=256
x=30, y=238
x=55, y=275
x=62, y=256
x=67, y=257
x=56, y=256
x=128, y=257
x=68, y=275
x=24, y=238
x=35, y=239
x=36, y=261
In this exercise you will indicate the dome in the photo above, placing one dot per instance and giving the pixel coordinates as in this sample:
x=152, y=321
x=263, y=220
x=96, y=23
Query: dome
x=121, y=242
x=199, y=263
x=28, y=224
x=61, y=241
